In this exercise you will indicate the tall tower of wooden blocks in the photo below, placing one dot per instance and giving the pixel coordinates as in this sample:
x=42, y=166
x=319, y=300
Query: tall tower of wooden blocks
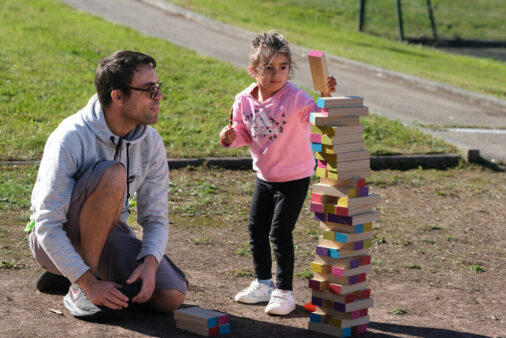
x=341, y=202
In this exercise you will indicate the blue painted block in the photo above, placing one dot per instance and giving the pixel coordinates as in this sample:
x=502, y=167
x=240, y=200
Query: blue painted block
x=341, y=238
x=225, y=328
x=320, y=103
x=212, y=322
x=315, y=318
x=334, y=253
x=316, y=147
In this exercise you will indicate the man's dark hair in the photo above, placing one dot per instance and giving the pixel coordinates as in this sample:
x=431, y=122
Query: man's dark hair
x=116, y=72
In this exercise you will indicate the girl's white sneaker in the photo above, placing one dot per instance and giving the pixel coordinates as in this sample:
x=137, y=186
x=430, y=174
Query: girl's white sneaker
x=282, y=302
x=255, y=293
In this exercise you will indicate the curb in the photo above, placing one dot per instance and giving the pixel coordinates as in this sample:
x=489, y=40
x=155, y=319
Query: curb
x=429, y=85
x=392, y=162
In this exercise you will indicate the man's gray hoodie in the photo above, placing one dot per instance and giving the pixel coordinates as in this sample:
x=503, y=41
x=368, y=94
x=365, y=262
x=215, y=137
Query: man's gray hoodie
x=79, y=142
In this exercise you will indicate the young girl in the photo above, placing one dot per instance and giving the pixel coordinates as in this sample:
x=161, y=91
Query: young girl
x=272, y=116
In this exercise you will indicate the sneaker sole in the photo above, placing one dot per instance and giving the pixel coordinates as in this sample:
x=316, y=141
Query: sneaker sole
x=252, y=302
x=278, y=313
x=85, y=315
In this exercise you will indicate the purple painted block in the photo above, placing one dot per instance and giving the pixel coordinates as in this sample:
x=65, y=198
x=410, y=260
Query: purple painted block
x=340, y=219
x=340, y=307
x=361, y=328
x=223, y=320
x=352, y=280
x=316, y=301
x=322, y=251
x=356, y=314
x=358, y=245
x=355, y=263
x=319, y=216
x=363, y=192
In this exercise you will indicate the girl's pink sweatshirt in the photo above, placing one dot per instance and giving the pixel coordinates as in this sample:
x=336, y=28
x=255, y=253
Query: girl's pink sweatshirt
x=278, y=132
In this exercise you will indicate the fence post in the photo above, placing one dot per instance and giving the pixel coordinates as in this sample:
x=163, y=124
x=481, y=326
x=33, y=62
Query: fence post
x=399, y=20
x=431, y=17
x=361, y=13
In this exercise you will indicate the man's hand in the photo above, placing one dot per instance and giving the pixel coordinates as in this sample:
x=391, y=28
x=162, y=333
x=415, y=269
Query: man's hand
x=147, y=273
x=103, y=293
x=227, y=135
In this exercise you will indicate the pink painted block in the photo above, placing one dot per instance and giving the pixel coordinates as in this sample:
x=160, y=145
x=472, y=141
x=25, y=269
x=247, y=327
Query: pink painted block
x=316, y=53
x=316, y=198
x=316, y=138
x=223, y=320
x=361, y=328
x=322, y=164
x=316, y=207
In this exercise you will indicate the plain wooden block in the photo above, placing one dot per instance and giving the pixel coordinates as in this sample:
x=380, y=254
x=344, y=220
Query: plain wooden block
x=321, y=119
x=319, y=71
x=349, y=183
x=339, y=101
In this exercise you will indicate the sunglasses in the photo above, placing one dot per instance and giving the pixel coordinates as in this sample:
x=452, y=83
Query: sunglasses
x=153, y=90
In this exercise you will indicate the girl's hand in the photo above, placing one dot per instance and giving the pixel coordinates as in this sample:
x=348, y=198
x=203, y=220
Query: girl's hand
x=227, y=135
x=331, y=84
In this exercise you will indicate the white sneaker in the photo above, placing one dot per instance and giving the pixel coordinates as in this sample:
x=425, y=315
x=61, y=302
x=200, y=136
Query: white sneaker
x=255, y=293
x=282, y=303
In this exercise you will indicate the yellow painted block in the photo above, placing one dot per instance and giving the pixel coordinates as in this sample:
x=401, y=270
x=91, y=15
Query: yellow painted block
x=319, y=156
x=332, y=175
x=320, y=172
x=343, y=202
x=317, y=129
x=367, y=226
x=330, y=235
x=367, y=243
x=316, y=267
x=329, y=209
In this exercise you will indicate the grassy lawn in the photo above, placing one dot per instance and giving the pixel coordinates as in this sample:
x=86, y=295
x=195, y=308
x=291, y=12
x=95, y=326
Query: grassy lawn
x=331, y=25
x=48, y=63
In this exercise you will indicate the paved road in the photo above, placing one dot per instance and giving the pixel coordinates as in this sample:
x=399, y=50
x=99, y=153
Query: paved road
x=394, y=95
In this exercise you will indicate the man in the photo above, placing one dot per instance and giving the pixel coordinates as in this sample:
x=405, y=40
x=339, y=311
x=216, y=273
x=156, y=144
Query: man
x=92, y=164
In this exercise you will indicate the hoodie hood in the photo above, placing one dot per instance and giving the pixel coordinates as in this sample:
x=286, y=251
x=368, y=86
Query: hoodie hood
x=94, y=118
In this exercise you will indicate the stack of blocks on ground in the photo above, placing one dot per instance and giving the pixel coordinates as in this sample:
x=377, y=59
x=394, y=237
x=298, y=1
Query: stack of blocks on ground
x=341, y=202
x=202, y=321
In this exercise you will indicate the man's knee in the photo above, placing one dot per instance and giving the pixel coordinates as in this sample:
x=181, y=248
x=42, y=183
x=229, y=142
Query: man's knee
x=114, y=180
x=167, y=301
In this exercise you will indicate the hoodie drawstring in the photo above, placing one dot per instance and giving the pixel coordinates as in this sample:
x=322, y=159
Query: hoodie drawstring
x=117, y=158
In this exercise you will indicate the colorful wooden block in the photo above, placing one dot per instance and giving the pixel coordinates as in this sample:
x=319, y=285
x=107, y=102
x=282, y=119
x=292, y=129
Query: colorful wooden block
x=336, y=253
x=345, y=228
x=340, y=101
x=352, y=220
x=342, y=148
x=349, y=238
x=201, y=316
x=319, y=72
x=318, y=284
x=340, y=131
x=356, y=305
x=332, y=244
x=351, y=280
x=342, y=175
x=332, y=297
x=329, y=330
x=324, y=189
x=341, y=289
x=320, y=119
x=203, y=331
x=347, y=264
x=358, y=201
x=345, y=323
x=348, y=183
x=317, y=129
x=319, y=267
x=338, y=139
x=316, y=146
x=329, y=311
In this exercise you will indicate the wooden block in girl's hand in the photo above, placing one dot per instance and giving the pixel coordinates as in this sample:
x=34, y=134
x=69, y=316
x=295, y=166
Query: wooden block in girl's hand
x=319, y=71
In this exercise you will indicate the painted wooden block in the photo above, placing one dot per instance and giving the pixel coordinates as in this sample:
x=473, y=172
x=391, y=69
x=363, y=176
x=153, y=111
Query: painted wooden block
x=329, y=311
x=324, y=189
x=342, y=289
x=317, y=129
x=202, y=316
x=340, y=101
x=225, y=328
x=319, y=318
x=341, y=131
x=358, y=201
x=342, y=175
x=356, y=305
x=352, y=220
x=318, y=296
x=320, y=156
x=316, y=284
x=362, y=192
x=338, y=139
x=351, y=280
x=347, y=238
x=349, y=165
x=319, y=72
x=316, y=147
x=332, y=244
x=340, y=211
x=316, y=208
x=316, y=138
x=342, y=148
x=319, y=267
x=316, y=198
x=349, y=265
x=336, y=253
x=348, y=183
x=345, y=228
x=320, y=119
x=345, y=323
x=203, y=331
x=328, y=329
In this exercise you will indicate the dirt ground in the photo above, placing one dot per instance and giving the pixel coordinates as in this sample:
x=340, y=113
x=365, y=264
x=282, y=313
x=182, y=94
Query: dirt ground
x=438, y=258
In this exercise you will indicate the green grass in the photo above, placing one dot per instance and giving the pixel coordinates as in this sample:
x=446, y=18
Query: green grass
x=48, y=62
x=331, y=26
